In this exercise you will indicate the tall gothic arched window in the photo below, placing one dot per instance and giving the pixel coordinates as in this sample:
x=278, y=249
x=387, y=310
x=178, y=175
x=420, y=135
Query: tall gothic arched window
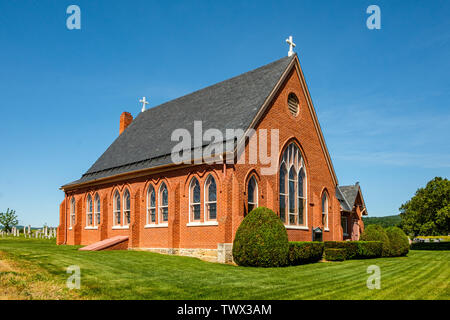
x=72, y=212
x=97, y=209
x=116, y=209
x=151, y=205
x=126, y=208
x=194, y=200
x=163, y=204
x=89, y=207
x=252, y=194
x=292, y=187
x=325, y=211
x=210, y=198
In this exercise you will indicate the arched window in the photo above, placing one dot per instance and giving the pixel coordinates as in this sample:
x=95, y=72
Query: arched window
x=194, y=200
x=89, y=207
x=97, y=209
x=325, y=211
x=252, y=194
x=283, y=192
x=292, y=192
x=301, y=196
x=293, y=212
x=126, y=208
x=72, y=212
x=116, y=208
x=163, y=202
x=151, y=205
x=210, y=198
x=293, y=104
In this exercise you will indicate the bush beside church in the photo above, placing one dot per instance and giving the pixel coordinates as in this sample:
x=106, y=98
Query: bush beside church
x=261, y=241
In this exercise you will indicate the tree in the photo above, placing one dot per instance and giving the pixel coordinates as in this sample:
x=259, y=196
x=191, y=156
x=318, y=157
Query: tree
x=8, y=219
x=428, y=212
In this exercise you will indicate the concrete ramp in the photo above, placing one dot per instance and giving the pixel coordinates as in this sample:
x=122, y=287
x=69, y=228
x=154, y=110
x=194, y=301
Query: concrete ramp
x=114, y=243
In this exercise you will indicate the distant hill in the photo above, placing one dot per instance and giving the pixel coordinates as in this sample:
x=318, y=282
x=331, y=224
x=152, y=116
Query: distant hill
x=388, y=221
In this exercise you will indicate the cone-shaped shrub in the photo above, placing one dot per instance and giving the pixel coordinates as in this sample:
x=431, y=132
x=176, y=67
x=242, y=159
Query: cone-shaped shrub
x=375, y=232
x=398, y=242
x=261, y=240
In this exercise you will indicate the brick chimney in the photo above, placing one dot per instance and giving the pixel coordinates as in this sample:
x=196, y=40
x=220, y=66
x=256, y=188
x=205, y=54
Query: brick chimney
x=125, y=119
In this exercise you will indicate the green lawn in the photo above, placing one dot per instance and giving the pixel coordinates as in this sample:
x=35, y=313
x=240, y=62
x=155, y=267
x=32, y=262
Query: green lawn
x=144, y=275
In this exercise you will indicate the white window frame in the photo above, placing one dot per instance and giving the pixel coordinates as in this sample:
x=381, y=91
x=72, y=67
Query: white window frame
x=125, y=222
x=256, y=195
x=97, y=210
x=292, y=157
x=325, y=211
x=208, y=203
x=192, y=203
x=150, y=207
x=161, y=207
x=302, y=198
x=116, y=213
x=295, y=213
x=89, y=211
x=72, y=213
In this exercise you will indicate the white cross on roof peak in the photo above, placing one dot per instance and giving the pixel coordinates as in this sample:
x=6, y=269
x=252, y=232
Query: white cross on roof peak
x=144, y=102
x=291, y=44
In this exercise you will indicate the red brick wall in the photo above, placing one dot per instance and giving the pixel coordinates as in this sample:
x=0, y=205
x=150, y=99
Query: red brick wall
x=231, y=191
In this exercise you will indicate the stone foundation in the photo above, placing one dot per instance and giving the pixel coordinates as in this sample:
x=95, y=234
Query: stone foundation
x=223, y=253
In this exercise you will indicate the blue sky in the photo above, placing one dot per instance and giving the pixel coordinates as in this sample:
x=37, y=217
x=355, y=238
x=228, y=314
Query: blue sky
x=382, y=96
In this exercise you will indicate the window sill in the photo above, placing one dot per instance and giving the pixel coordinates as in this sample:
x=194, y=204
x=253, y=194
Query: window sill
x=91, y=228
x=202, y=224
x=70, y=228
x=296, y=227
x=120, y=227
x=159, y=225
x=326, y=229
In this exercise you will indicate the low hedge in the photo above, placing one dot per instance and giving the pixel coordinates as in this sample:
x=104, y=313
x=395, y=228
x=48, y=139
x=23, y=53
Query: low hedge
x=357, y=249
x=305, y=252
x=333, y=254
x=374, y=232
x=430, y=246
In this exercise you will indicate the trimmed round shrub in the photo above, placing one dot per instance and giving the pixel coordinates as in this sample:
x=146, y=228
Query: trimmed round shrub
x=376, y=232
x=261, y=240
x=304, y=252
x=398, y=242
x=332, y=254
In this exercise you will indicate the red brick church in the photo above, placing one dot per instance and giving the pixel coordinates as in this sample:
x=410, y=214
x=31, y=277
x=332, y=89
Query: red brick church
x=135, y=194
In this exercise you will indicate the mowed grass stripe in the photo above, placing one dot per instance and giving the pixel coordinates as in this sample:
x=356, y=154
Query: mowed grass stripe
x=144, y=275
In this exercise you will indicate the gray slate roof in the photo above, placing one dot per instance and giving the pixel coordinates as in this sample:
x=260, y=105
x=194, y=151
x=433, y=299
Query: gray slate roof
x=146, y=143
x=342, y=200
x=347, y=196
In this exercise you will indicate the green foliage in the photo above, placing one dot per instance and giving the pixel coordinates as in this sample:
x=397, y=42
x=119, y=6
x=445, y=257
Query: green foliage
x=332, y=254
x=8, y=219
x=261, y=240
x=398, y=242
x=305, y=252
x=430, y=246
x=357, y=249
x=375, y=232
x=428, y=212
x=385, y=222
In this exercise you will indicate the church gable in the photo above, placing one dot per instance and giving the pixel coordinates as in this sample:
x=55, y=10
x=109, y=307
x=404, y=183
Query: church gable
x=290, y=110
